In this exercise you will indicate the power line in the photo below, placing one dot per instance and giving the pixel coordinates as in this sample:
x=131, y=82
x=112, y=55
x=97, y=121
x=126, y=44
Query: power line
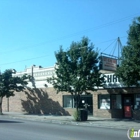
x=47, y=55
x=113, y=49
x=62, y=38
x=117, y=44
x=109, y=40
x=68, y=36
x=109, y=45
x=23, y=60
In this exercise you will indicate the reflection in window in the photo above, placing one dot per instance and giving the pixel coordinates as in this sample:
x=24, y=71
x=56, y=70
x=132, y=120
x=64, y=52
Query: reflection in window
x=68, y=101
x=104, y=101
x=116, y=102
x=137, y=102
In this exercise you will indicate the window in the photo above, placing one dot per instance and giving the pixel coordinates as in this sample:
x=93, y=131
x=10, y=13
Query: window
x=116, y=102
x=68, y=101
x=137, y=102
x=104, y=101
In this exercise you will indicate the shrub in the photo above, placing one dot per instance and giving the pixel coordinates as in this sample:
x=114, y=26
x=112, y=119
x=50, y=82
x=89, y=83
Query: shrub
x=80, y=115
x=76, y=115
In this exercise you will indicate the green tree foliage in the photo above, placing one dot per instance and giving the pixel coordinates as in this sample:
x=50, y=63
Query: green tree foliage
x=77, y=69
x=129, y=69
x=9, y=84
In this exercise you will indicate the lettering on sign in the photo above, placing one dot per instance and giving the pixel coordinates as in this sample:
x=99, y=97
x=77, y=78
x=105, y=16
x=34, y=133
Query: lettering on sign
x=109, y=63
x=112, y=81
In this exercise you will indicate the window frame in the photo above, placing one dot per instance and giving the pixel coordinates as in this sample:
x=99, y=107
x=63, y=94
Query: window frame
x=72, y=98
x=137, y=101
x=104, y=100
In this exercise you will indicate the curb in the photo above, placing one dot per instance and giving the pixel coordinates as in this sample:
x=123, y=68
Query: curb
x=110, y=124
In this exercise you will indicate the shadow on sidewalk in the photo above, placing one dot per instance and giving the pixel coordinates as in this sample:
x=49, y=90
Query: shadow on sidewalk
x=6, y=121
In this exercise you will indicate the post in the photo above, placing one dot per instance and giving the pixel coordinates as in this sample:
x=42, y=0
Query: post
x=1, y=105
x=8, y=104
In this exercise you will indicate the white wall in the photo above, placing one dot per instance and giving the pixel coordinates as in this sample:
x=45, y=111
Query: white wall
x=39, y=74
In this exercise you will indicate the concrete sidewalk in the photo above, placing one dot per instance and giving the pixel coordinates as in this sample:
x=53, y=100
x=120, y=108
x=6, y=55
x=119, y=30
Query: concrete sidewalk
x=92, y=121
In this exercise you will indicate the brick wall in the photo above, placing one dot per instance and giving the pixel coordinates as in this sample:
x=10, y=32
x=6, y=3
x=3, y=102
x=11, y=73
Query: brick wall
x=46, y=101
x=99, y=112
x=36, y=101
x=113, y=113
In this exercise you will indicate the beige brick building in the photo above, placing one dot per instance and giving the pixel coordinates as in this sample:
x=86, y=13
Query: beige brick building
x=114, y=101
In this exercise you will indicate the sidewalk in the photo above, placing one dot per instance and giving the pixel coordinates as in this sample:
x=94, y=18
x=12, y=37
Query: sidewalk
x=69, y=120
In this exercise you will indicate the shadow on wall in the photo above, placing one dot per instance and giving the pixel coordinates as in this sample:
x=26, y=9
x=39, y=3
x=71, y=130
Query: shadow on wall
x=38, y=102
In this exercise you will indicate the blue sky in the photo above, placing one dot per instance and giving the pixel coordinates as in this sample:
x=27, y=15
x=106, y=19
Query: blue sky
x=32, y=30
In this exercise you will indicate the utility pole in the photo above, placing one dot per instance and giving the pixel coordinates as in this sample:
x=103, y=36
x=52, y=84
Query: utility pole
x=119, y=50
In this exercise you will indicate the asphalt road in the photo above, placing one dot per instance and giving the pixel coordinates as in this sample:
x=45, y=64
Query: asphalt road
x=11, y=129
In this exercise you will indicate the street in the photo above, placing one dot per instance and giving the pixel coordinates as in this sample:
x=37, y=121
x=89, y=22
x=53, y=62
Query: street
x=13, y=129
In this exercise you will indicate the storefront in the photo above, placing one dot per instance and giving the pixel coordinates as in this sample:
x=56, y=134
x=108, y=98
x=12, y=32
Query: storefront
x=113, y=101
x=116, y=100
x=86, y=102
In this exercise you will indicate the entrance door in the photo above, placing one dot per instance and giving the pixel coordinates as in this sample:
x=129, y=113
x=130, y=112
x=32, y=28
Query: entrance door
x=127, y=106
x=86, y=102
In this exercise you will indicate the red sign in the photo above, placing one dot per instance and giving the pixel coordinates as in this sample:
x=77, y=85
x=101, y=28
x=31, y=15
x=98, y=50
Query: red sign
x=127, y=111
x=109, y=63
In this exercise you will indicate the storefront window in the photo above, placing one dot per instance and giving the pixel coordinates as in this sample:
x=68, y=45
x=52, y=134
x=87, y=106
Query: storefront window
x=68, y=101
x=104, y=101
x=137, y=102
x=116, y=102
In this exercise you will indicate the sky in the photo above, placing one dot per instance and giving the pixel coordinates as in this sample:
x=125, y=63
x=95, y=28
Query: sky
x=31, y=31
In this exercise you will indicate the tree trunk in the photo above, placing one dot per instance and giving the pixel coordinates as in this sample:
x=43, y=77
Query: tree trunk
x=77, y=100
x=1, y=105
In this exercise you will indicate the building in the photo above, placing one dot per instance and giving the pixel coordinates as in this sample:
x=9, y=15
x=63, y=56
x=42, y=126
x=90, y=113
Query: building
x=38, y=74
x=113, y=101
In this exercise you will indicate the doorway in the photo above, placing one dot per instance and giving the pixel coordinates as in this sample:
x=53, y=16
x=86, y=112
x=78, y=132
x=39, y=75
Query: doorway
x=128, y=104
x=86, y=103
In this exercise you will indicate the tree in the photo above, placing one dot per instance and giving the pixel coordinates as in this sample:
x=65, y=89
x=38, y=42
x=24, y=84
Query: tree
x=9, y=84
x=77, y=70
x=129, y=69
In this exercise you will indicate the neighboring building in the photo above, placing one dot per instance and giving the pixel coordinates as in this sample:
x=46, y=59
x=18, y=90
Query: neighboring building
x=113, y=101
x=38, y=76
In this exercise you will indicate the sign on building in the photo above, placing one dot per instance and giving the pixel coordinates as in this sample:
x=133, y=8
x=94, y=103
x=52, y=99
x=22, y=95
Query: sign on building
x=112, y=81
x=108, y=63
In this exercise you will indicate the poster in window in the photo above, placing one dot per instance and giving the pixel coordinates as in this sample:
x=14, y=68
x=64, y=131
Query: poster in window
x=105, y=104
